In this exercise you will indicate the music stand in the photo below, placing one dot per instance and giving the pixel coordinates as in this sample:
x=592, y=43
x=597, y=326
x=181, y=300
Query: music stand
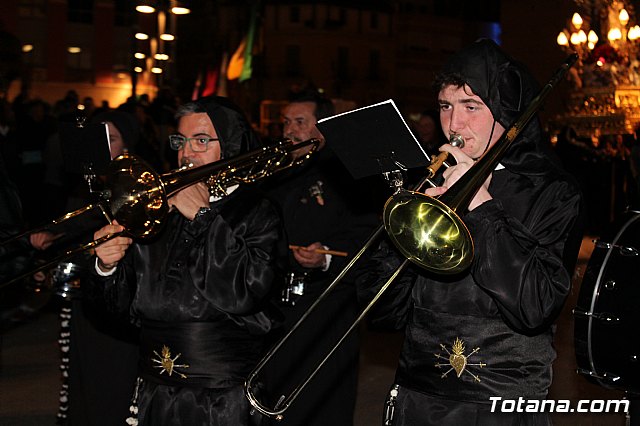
x=373, y=140
x=85, y=147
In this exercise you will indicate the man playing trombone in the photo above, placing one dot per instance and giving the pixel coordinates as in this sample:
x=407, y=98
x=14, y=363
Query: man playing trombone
x=487, y=331
x=198, y=289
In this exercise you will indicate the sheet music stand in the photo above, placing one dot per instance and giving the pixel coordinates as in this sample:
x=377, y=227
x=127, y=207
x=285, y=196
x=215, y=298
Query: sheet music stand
x=85, y=147
x=373, y=140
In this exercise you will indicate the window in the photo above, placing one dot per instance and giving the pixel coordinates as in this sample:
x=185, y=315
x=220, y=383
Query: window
x=292, y=61
x=124, y=13
x=80, y=66
x=35, y=57
x=294, y=15
x=374, y=20
x=32, y=8
x=374, y=65
x=80, y=11
x=343, y=63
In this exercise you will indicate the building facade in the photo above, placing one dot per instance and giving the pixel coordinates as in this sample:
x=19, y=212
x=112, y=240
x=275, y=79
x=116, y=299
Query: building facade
x=358, y=52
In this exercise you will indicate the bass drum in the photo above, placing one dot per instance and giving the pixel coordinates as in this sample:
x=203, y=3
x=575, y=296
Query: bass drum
x=607, y=315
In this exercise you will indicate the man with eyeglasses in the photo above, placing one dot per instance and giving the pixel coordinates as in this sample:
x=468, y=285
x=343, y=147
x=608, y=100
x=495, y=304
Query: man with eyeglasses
x=198, y=289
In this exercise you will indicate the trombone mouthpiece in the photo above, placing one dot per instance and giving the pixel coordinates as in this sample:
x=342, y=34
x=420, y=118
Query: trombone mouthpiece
x=456, y=140
x=185, y=163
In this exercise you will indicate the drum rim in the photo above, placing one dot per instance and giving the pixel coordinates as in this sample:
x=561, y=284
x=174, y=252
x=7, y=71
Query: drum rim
x=596, y=289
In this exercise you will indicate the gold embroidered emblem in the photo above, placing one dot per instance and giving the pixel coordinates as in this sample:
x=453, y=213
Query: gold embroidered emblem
x=168, y=364
x=457, y=360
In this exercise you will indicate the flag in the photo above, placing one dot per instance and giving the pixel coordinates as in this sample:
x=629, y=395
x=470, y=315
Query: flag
x=248, y=51
x=237, y=61
x=240, y=63
x=210, y=82
x=196, y=87
x=222, y=80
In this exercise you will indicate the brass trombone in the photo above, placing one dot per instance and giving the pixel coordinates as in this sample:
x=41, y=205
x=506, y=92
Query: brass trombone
x=426, y=230
x=136, y=196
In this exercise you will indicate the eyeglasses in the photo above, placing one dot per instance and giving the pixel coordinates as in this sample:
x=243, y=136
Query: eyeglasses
x=177, y=142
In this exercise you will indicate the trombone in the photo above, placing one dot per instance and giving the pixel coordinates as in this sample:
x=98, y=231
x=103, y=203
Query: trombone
x=136, y=196
x=428, y=232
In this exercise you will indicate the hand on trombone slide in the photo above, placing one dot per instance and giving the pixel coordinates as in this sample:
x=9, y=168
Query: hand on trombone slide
x=43, y=240
x=112, y=251
x=313, y=256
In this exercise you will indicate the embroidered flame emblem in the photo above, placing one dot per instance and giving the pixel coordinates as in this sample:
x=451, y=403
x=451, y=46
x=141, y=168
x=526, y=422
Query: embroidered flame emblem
x=457, y=360
x=168, y=364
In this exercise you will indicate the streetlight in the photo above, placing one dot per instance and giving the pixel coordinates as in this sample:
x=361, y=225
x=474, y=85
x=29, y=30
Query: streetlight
x=154, y=49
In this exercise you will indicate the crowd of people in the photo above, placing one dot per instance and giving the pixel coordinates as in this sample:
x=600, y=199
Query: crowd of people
x=231, y=271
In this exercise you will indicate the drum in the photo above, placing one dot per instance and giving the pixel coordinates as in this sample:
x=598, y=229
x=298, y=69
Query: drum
x=607, y=315
x=65, y=280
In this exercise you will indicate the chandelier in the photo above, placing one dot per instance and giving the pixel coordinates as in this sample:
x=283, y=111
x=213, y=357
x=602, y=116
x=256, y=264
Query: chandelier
x=604, y=60
x=606, y=77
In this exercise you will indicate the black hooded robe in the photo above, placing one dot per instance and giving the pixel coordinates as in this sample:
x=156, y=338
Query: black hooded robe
x=197, y=291
x=488, y=331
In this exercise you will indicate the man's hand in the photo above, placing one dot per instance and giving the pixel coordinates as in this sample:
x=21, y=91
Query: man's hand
x=191, y=199
x=453, y=173
x=42, y=240
x=111, y=252
x=309, y=257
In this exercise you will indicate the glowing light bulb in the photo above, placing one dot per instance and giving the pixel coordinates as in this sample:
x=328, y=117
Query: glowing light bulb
x=582, y=36
x=562, y=39
x=576, y=20
x=614, y=34
x=624, y=17
x=575, y=39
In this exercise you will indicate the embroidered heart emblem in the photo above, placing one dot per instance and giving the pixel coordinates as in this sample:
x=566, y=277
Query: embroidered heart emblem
x=458, y=362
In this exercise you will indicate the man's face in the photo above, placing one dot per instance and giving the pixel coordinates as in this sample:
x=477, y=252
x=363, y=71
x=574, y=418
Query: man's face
x=300, y=125
x=116, y=143
x=198, y=125
x=464, y=113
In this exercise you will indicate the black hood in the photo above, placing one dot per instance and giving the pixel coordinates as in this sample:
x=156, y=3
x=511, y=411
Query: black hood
x=125, y=122
x=507, y=88
x=234, y=131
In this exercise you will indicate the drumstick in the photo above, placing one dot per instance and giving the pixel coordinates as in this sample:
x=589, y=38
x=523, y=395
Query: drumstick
x=323, y=251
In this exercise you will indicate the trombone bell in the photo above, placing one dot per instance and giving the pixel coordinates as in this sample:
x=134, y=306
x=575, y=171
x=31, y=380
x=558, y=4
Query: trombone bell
x=137, y=199
x=428, y=232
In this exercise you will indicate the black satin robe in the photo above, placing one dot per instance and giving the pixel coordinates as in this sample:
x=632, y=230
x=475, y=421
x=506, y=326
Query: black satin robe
x=199, y=289
x=341, y=221
x=504, y=305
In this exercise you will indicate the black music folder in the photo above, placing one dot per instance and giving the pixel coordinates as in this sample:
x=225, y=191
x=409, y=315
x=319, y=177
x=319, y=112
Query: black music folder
x=85, y=146
x=373, y=140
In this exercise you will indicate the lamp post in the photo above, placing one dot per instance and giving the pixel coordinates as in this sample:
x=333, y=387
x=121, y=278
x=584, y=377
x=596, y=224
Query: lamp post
x=154, y=43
